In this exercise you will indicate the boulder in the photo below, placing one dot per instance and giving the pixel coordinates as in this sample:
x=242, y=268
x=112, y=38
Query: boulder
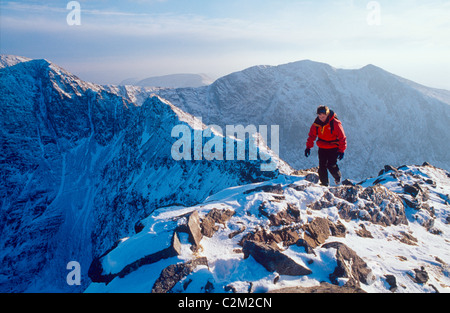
x=273, y=259
x=421, y=276
x=349, y=265
x=194, y=230
x=392, y=281
x=287, y=235
x=286, y=217
x=97, y=275
x=172, y=274
x=215, y=216
x=317, y=232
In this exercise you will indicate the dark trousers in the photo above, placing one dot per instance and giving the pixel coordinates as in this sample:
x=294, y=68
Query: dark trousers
x=328, y=162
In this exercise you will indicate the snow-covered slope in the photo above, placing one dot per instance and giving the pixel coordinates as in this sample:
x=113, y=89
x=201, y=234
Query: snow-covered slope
x=81, y=164
x=385, y=234
x=388, y=119
x=10, y=60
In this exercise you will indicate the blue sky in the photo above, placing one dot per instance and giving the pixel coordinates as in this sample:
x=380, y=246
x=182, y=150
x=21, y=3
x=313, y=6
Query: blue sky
x=141, y=38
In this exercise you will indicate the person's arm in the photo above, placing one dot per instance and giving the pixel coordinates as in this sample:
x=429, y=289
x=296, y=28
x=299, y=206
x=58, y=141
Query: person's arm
x=342, y=138
x=311, y=137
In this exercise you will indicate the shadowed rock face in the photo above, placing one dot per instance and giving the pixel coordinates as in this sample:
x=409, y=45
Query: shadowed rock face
x=273, y=260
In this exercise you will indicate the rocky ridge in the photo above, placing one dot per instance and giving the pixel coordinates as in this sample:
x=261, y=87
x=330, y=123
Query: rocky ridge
x=292, y=235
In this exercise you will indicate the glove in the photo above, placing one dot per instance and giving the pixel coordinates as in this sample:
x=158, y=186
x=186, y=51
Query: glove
x=341, y=156
x=307, y=153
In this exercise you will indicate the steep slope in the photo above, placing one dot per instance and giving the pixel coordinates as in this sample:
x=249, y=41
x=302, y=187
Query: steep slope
x=78, y=163
x=385, y=234
x=388, y=119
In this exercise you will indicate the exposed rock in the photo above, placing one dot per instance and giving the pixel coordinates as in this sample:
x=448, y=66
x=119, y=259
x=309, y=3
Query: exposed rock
x=96, y=270
x=387, y=168
x=303, y=243
x=320, y=229
x=347, y=211
x=305, y=173
x=382, y=206
x=262, y=236
x=237, y=232
x=313, y=178
x=363, y=232
x=172, y=274
x=209, y=227
x=138, y=227
x=347, y=193
x=285, y=217
x=349, y=265
x=323, y=288
x=407, y=239
x=220, y=216
x=348, y=182
x=288, y=236
x=275, y=189
x=194, y=230
x=392, y=281
x=338, y=229
x=273, y=259
x=421, y=276
x=412, y=190
x=214, y=217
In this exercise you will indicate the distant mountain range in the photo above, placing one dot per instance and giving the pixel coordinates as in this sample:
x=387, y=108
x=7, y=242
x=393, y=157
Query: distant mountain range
x=387, y=119
x=171, y=81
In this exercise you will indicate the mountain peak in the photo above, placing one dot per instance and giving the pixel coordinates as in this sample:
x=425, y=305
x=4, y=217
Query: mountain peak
x=11, y=60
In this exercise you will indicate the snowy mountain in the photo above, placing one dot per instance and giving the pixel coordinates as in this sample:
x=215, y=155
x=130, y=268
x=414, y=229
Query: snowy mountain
x=10, y=60
x=385, y=234
x=84, y=165
x=171, y=81
x=80, y=165
x=388, y=119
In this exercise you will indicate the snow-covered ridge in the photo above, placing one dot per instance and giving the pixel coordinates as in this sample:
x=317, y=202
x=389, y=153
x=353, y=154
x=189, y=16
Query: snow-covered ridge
x=392, y=228
x=11, y=60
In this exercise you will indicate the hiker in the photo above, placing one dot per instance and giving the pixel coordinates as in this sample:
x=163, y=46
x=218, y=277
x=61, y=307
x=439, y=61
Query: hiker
x=332, y=144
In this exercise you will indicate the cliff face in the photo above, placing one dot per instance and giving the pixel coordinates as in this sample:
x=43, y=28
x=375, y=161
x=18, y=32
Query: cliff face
x=80, y=165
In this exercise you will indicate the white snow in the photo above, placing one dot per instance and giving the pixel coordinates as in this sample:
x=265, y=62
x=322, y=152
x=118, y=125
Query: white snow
x=384, y=254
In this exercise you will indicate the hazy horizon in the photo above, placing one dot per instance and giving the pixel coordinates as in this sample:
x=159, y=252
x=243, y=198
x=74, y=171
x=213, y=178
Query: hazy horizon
x=108, y=41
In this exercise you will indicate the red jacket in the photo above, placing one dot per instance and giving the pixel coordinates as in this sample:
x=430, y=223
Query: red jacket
x=331, y=134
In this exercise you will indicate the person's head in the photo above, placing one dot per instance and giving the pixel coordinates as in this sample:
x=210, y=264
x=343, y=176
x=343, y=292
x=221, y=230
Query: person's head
x=322, y=113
